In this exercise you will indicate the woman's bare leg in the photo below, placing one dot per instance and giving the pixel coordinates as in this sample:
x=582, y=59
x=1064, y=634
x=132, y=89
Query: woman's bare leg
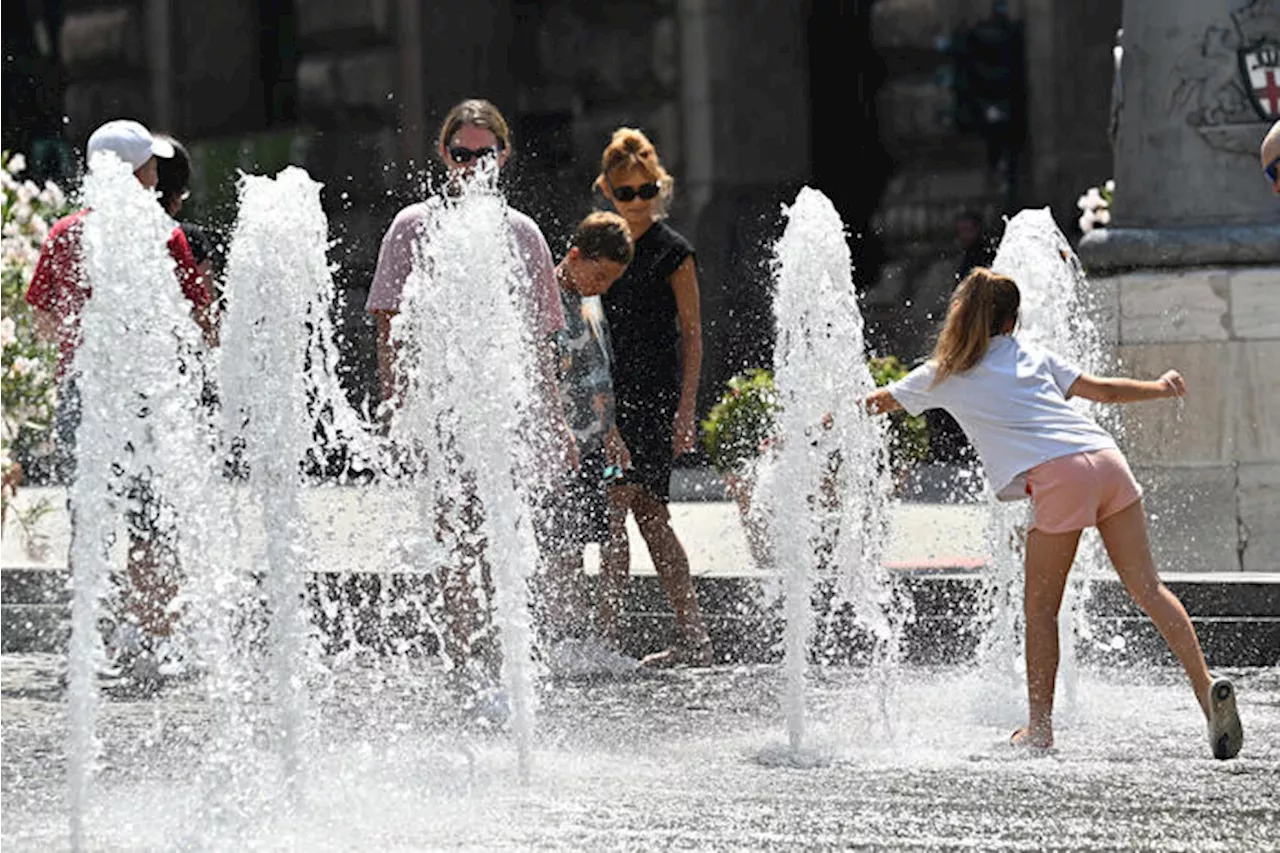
x=1049, y=559
x=1125, y=537
x=672, y=565
x=615, y=566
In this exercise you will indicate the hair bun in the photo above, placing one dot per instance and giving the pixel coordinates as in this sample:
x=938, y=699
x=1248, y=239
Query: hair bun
x=630, y=148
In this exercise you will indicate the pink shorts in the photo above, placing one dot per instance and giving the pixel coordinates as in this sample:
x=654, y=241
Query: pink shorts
x=1078, y=491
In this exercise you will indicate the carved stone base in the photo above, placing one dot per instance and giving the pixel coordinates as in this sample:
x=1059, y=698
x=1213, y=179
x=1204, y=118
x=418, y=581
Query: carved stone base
x=1121, y=249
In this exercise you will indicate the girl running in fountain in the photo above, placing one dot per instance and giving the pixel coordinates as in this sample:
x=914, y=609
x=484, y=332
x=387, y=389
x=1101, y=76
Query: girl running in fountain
x=1011, y=401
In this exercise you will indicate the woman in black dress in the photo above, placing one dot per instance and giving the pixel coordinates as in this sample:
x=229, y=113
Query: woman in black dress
x=653, y=314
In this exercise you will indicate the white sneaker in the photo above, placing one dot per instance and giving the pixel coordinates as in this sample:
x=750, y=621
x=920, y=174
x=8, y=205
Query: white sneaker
x=1226, y=735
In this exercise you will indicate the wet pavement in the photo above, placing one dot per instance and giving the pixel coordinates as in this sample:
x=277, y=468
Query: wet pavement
x=670, y=760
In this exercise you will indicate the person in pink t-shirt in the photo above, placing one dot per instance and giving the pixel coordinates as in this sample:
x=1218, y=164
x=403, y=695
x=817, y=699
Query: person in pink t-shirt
x=472, y=131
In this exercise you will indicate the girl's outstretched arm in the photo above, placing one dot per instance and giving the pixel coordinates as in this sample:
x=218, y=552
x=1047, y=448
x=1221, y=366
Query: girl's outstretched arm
x=881, y=401
x=1116, y=389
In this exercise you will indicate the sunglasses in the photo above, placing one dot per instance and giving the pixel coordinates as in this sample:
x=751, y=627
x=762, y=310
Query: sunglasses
x=461, y=155
x=1272, y=171
x=644, y=191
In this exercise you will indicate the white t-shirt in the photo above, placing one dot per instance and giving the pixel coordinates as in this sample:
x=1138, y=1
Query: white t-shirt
x=1013, y=406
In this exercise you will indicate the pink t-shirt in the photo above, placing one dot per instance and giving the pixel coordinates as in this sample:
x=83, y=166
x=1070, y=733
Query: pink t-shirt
x=395, y=262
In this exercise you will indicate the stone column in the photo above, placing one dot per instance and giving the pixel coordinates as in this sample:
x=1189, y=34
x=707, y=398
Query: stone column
x=745, y=152
x=1191, y=265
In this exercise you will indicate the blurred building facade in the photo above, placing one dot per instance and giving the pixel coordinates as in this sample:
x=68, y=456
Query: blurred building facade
x=747, y=102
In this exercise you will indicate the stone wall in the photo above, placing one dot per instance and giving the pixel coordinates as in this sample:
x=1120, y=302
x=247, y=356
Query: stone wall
x=1211, y=463
x=1192, y=268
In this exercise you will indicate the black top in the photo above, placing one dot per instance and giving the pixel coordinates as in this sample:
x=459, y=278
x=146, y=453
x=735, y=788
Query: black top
x=645, y=324
x=198, y=240
x=642, y=314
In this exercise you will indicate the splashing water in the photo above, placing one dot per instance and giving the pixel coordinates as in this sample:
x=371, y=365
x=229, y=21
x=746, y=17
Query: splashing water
x=285, y=412
x=825, y=491
x=1057, y=313
x=142, y=430
x=466, y=381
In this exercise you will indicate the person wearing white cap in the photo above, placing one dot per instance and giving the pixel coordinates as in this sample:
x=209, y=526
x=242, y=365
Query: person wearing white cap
x=57, y=293
x=132, y=143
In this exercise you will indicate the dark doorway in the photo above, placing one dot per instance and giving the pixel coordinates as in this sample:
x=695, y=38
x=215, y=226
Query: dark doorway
x=849, y=163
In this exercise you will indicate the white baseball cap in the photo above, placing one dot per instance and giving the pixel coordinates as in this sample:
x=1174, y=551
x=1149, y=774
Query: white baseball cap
x=129, y=141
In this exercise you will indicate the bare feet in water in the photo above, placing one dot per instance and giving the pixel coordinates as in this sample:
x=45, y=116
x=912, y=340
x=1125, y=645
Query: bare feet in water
x=1028, y=738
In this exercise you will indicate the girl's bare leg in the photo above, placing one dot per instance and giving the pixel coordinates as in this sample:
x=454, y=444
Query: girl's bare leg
x=615, y=566
x=1049, y=559
x=1125, y=537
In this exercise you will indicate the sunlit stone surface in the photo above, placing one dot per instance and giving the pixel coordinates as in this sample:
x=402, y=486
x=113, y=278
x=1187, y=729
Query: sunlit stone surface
x=671, y=761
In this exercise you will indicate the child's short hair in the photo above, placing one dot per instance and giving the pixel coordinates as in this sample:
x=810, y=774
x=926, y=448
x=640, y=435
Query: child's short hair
x=603, y=236
x=174, y=172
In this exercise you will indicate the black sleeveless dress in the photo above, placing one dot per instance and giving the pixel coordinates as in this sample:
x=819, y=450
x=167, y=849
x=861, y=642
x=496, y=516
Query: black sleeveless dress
x=645, y=324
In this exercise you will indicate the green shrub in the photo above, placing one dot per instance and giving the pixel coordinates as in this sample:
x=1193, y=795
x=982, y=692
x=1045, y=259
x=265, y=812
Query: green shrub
x=739, y=426
x=908, y=436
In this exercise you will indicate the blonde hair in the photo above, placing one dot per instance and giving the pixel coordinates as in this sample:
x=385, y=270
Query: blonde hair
x=478, y=113
x=981, y=307
x=631, y=149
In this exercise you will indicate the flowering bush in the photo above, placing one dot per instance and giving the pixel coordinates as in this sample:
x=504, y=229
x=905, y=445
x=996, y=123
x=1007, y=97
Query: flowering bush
x=27, y=364
x=1095, y=207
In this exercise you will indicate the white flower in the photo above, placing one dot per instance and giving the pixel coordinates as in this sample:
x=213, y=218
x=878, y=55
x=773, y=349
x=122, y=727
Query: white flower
x=17, y=164
x=8, y=331
x=1083, y=202
x=1094, y=199
x=1103, y=217
x=51, y=196
x=28, y=192
x=1110, y=185
x=21, y=366
x=1086, y=221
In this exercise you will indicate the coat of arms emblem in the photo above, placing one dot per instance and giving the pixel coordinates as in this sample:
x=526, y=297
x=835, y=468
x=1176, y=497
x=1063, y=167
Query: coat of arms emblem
x=1260, y=64
x=1231, y=75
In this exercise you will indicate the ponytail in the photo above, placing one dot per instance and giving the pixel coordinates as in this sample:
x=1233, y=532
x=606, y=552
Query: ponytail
x=981, y=307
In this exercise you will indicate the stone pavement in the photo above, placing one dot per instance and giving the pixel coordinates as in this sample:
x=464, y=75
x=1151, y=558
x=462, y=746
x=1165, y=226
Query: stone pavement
x=682, y=760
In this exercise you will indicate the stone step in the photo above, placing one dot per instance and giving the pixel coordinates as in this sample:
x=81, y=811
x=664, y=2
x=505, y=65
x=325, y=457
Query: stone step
x=935, y=590
x=1237, y=617
x=34, y=628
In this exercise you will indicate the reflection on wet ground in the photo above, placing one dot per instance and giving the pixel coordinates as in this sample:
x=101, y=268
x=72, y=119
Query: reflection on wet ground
x=674, y=760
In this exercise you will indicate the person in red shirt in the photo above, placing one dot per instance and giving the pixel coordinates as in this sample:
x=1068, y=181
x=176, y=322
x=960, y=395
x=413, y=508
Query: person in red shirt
x=57, y=293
